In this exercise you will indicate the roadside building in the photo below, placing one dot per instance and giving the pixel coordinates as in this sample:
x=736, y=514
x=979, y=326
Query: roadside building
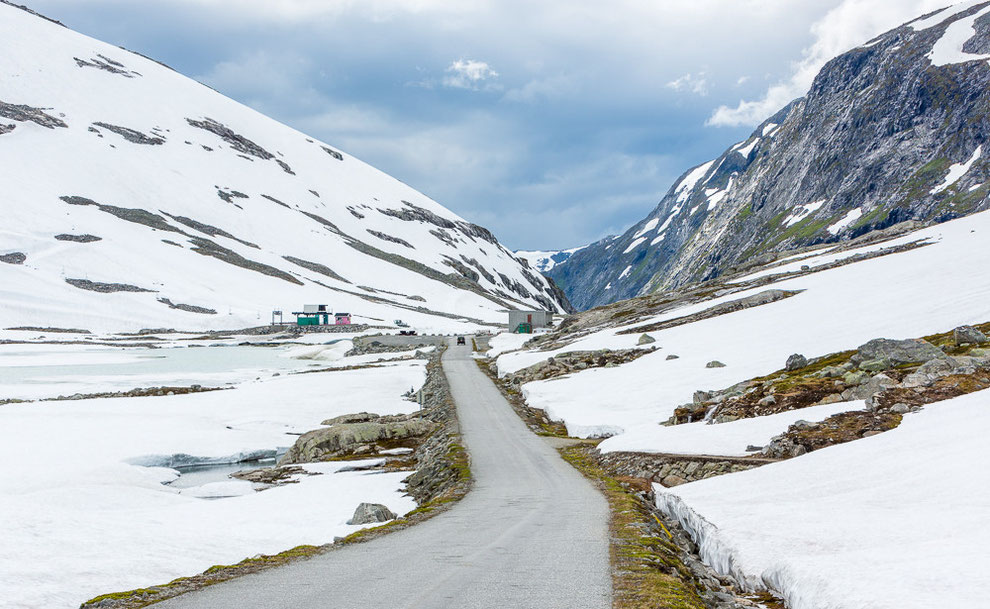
x=524, y=322
x=313, y=315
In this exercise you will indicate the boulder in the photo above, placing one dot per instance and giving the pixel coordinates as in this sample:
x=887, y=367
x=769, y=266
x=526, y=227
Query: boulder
x=672, y=356
x=345, y=439
x=646, y=339
x=830, y=372
x=832, y=398
x=890, y=353
x=673, y=480
x=900, y=408
x=715, y=364
x=768, y=401
x=855, y=378
x=370, y=513
x=796, y=362
x=968, y=335
x=701, y=396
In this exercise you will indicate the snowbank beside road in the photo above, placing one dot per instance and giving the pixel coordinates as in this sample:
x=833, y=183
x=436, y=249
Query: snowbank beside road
x=888, y=522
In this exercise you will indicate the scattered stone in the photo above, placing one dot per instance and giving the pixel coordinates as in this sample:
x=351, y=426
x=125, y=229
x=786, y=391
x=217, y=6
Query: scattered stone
x=369, y=513
x=672, y=356
x=186, y=307
x=27, y=113
x=804, y=425
x=752, y=449
x=274, y=476
x=968, y=335
x=701, y=397
x=833, y=398
x=890, y=353
x=900, y=408
x=714, y=364
x=796, y=362
x=106, y=288
x=767, y=401
x=333, y=153
x=646, y=339
x=106, y=64
x=236, y=141
x=131, y=135
x=78, y=238
x=855, y=378
x=14, y=258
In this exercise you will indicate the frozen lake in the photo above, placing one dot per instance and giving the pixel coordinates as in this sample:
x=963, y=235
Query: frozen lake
x=43, y=371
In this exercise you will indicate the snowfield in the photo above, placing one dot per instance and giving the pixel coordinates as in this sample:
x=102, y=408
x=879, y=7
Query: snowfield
x=900, y=295
x=175, y=206
x=85, y=510
x=888, y=522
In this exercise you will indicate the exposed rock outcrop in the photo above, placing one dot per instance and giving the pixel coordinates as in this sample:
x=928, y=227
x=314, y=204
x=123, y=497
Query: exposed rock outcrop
x=869, y=148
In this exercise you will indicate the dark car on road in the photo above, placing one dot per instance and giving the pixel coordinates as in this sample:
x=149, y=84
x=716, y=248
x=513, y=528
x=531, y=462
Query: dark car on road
x=460, y=340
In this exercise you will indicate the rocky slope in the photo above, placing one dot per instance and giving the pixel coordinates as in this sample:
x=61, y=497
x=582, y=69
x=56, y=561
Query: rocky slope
x=891, y=131
x=135, y=197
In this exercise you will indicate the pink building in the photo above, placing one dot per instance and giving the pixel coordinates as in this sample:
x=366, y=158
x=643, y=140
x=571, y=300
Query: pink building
x=342, y=319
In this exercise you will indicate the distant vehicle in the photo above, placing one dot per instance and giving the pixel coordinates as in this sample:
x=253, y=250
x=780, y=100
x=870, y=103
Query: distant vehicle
x=401, y=324
x=407, y=333
x=460, y=340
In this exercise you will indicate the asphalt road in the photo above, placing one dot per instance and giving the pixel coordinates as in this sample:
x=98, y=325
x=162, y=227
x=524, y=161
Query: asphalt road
x=532, y=533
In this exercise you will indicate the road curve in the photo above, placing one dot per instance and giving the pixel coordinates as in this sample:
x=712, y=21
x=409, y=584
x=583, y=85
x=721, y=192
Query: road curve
x=532, y=533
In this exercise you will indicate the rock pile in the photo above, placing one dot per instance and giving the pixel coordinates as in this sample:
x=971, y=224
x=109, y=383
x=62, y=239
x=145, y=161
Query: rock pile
x=892, y=377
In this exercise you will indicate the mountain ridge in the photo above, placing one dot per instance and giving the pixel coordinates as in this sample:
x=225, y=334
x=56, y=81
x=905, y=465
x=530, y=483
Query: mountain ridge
x=890, y=131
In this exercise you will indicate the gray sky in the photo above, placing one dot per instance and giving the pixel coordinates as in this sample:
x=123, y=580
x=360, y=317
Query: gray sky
x=553, y=122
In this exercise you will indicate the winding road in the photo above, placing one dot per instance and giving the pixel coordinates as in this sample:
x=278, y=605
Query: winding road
x=532, y=533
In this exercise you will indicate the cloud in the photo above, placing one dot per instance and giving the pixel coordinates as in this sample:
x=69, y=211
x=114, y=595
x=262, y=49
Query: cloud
x=689, y=82
x=469, y=74
x=542, y=88
x=571, y=126
x=851, y=23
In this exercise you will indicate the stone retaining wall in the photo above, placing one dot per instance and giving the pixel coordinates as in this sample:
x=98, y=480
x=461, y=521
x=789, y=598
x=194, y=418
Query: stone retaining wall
x=673, y=470
x=438, y=471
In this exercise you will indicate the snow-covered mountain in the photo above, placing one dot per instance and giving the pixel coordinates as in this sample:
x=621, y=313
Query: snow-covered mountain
x=543, y=261
x=894, y=130
x=134, y=197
